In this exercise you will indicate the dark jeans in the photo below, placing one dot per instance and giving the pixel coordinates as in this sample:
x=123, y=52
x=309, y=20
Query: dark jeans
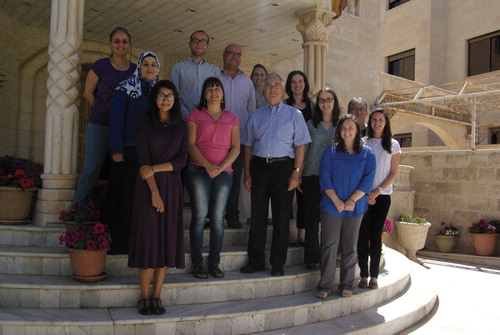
x=311, y=196
x=370, y=240
x=232, y=210
x=270, y=181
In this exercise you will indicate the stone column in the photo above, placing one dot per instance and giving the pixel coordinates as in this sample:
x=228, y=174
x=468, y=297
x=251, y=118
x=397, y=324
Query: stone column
x=61, y=123
x=315, y=27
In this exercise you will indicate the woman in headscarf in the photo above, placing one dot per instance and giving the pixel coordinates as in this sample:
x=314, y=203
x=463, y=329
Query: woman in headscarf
x=128, y=106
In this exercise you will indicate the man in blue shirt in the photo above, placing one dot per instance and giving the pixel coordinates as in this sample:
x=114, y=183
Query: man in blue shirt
x=274, y=140
x=239, y=95
x=189, y=75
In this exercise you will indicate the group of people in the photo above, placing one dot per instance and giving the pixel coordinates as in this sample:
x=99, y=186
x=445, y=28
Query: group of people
x=207, y=127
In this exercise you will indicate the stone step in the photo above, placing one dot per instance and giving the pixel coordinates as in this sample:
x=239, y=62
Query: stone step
x=55, y=261
x=123, y=291
x=33, y=236
x=390, y=317
x=229, y=317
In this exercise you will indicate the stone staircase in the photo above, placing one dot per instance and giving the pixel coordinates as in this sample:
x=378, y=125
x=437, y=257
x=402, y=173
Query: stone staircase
x=38, y=295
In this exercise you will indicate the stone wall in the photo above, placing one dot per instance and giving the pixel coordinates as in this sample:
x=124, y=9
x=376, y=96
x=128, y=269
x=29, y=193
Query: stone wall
x=460, y=187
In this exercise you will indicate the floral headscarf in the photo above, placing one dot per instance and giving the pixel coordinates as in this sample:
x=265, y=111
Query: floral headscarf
x=132, y=86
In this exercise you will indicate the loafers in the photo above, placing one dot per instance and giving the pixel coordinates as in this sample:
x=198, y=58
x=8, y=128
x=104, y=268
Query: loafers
x=250, y=268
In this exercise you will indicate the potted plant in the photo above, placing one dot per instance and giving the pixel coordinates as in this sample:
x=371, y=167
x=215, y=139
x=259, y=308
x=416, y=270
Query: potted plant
x=88, y=246
x=83, y=213
x=484, y=237
x=19, y=179
x=446, y=238
x=412, y=233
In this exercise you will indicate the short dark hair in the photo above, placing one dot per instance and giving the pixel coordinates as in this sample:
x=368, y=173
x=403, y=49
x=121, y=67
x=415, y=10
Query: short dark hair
x=386, y=133
x=256, y=66
x=199, y=31
x=318, y=114
x=356, y=101
x=211, y=82
x=121, y=29
x=175, y=112
x=338, y=141
x=288, y=87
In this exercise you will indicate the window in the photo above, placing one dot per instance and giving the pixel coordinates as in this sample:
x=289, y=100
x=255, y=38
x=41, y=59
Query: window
x=395, y=3
x=484, y=54
x=402, y=64
x=494, y=135
x=404, y=140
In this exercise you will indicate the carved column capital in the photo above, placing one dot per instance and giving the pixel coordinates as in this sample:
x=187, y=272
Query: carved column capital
x=315, y=23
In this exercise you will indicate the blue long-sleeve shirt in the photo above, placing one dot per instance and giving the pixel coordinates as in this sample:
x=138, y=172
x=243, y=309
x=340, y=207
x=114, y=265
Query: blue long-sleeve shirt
x=124, y=114
x=345, y=174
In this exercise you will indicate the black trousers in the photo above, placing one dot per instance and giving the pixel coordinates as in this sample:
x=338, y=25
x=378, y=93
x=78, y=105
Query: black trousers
x=311, y=196
x=270, y=181
x=370, y=239
x=232, y=207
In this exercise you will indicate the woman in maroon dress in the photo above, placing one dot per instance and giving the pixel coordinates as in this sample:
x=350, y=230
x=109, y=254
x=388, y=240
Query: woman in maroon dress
x=157, y=241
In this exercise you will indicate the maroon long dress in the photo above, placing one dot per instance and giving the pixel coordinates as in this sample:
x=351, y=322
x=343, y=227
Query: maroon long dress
x=157, y=239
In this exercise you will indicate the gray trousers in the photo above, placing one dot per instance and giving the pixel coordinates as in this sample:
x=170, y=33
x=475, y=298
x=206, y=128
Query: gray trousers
x=338, y=235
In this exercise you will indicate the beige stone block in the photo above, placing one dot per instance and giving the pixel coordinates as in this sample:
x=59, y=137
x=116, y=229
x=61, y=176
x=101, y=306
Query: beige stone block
x=445, y=188
x=51, y=194
x=459, y=160
x=479, y=189
x=494, y=159
x=481, y=204
x=498, y=205
x=428, y=174
x=467, y=217
x=422, y=161
x=427, y=200
x=480, y=159
x=486, y=174
x=422, y=187
x=460, y=174
x=497, y=174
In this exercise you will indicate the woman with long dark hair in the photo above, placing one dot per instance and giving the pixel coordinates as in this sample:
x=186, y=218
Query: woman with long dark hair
x=214, y=144
x=322, y=130
x=388, y=153
x=346, y=175
x=157, y=239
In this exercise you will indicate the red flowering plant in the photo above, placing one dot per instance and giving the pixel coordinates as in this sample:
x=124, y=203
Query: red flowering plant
x=88, y=237
x=481, y=227
x=387, y=226
x=82, y=212
x=20, y=172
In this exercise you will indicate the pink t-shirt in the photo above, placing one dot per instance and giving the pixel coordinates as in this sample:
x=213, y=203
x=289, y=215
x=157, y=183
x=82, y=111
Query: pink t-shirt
x=213, y=138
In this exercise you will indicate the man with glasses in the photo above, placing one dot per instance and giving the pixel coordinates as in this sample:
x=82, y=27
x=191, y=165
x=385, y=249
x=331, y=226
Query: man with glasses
x=240, y=100
x=189, y=75
x=359, y=108
x=274, y=140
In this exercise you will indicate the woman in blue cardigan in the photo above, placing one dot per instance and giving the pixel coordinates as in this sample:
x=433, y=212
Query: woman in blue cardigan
x=129, y=105
x=346, y=175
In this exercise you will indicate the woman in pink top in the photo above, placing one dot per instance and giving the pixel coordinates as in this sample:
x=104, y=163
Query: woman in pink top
x=214, y=144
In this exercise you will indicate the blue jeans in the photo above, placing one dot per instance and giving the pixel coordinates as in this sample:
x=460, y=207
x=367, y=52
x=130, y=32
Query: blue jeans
x=205, y=193
x=96, y=148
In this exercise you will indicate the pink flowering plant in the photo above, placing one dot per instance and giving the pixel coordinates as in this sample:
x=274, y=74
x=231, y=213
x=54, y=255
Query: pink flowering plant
x=481, y=227
x=387, y=226
x=88, y=237
x=20, y=172
x=449, y=230
x=82, y=212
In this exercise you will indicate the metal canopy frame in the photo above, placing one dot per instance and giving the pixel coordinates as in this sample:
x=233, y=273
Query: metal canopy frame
x=465, y=102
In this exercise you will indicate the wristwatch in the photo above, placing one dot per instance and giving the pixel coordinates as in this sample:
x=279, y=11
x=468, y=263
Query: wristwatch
x=380, y=189
x=296, y=169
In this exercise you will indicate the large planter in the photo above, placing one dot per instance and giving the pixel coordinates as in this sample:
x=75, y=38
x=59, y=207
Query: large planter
x=88, y=266
x=484, y=244
x=445, y=243
x=15, y=204
x=412, y=238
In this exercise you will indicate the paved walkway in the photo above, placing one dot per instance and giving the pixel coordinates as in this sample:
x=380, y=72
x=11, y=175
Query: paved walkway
x=469, y=300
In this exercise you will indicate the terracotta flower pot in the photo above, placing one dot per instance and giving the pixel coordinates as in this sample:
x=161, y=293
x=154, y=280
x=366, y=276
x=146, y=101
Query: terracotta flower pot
x=445, y=243
x=412, y=238
x=15, y=203
x=88, y=266
x=484, y=244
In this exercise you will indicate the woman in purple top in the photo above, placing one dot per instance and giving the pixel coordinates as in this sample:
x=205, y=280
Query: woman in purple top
x=214, y=144
x=102, y=79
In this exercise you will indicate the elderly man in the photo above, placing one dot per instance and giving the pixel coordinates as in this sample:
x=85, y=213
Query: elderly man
x=274, y=141
x=359, y=108
x=189, y=75
x=240, y=100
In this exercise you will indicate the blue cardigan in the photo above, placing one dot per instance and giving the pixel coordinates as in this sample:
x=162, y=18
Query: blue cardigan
x=345, y=174
x=124, y=115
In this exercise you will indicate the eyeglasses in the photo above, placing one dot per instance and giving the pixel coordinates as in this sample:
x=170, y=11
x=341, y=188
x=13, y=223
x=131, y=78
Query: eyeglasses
x=197, y=41
x=168, y=97
x=233, y=54
x=272, y=86
x=327, y=100
x=357, y=109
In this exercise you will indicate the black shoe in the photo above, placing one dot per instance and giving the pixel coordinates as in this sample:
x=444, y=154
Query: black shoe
x=157, y=307
x=311, y=266
x=234, y=224
x=277, y=272
x=251, y=268
x=144, y=306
